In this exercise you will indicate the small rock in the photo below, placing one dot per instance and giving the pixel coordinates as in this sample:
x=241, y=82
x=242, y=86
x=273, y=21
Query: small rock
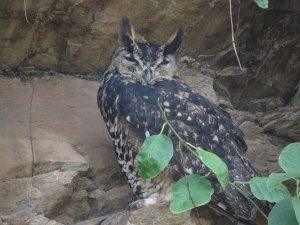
x=77, y=211
x=16, y=156
x=118, y=198
x=80, y=195
x=283, y=122
x=44, y=61
x=159, y=214
x=98, y=203
x=200, y=82
x=260, y=148
x=260, y=104
x=231, y=81
x=296, y=98
x=42, y=220
x=263, y=150
x=97, y=194
x=119, y=218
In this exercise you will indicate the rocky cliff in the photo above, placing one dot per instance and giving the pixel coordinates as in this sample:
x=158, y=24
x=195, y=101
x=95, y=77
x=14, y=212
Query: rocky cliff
x=57, y=165
x=80, y=36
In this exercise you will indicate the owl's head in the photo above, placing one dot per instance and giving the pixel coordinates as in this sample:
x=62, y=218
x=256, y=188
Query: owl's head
x=145, y=62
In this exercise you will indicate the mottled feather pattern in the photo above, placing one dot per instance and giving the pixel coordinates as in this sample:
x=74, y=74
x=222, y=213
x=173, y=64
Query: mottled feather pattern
x=196, y=119
x=139, y=75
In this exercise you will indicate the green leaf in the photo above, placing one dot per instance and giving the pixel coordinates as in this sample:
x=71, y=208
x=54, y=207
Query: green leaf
x=264, y=4
x=154, y=155
x=289, y=159
x=259, y=187
x=189, y=192
x=296, y=206
x=283, y=214
x=276, y=178
x=216, y=165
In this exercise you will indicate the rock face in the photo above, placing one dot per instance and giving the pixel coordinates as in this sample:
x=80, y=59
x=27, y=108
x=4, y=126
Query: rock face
x=270, y=56
x=283, y=122
x=56, y=157
x=57, y=165
x=80, y=36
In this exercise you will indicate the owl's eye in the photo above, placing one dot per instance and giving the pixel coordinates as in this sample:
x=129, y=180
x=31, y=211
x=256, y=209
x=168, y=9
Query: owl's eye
x=130, y=58
x=165, y=61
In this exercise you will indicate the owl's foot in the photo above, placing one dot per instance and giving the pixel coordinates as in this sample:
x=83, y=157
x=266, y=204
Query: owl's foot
x=153, y=199
x=134, y=205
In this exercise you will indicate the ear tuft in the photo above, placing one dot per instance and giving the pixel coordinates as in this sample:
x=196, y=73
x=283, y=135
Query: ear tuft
x=173, y=43
x=127, y=32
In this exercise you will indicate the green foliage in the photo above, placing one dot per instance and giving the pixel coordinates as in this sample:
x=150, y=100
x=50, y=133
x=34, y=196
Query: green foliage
x=189, y=192
x=296, y=206
x=287, y=209
x=216, y=165
x=195, y=190
x=276, y=178
x=264, y=4
x=289, y=159
x=259, y=187
x=154, y=155
x=283, y=214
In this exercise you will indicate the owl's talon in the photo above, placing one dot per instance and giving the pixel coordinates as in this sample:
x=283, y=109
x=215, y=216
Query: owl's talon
x=135, y=205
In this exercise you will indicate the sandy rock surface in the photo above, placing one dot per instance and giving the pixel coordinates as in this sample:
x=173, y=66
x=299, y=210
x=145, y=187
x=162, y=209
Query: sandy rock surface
x=55, y=152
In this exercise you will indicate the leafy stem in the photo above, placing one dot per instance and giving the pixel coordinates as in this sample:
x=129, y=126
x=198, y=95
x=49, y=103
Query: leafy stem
x=167, y=122
x=192, y=149
x=194, y=190
x=192, y=146
x=162, y=129
x=241, y=182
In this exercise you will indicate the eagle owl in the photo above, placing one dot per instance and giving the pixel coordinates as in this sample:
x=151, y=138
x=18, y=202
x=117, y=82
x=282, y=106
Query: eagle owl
x=141, y=73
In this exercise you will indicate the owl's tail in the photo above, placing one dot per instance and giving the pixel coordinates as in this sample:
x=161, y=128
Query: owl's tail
x=244, y=211
x=229, y=215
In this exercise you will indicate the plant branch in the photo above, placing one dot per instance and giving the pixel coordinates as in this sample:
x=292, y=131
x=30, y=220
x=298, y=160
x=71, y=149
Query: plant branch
x=25, y=12
x=239, y=13
x=232, y=36
x=167, y=121
x=192, y=146
x=249, y=199
x=241, y=182
x=162, y=129
x=186, y=144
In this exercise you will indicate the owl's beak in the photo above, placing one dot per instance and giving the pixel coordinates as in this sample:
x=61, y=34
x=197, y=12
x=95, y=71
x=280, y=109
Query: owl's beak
x=147, y=74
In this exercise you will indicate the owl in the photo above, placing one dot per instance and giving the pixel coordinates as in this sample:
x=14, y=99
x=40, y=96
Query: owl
x=139, y=74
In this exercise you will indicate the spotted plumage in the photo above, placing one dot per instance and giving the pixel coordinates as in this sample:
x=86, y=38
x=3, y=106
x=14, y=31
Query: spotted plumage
x=141, y=73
